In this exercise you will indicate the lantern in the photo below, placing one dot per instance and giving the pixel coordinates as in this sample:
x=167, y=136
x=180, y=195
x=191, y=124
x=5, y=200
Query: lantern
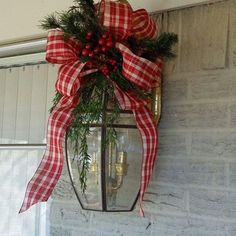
x=113, y=178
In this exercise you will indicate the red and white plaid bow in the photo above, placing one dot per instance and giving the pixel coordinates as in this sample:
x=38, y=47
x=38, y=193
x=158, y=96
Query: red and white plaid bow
x=123, y=22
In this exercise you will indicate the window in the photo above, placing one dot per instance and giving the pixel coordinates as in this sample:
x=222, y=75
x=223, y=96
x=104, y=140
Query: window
x=26, y=92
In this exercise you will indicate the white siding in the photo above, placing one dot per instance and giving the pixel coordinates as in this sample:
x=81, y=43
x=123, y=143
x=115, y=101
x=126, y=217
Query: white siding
x=25, y=97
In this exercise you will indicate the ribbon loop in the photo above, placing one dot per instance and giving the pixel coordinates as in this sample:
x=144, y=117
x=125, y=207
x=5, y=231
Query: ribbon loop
x=143, y=25
x=65, y=51
x=68, y=82
x=120, y=19
x=117, y=18
x=128, y=100
x=61, y=50
x=138, y=70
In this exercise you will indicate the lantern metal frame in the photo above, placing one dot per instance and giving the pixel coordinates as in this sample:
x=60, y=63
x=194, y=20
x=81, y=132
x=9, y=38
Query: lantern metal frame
x=103, y=177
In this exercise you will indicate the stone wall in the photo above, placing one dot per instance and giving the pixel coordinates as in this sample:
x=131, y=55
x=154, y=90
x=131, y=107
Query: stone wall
x=193, y=189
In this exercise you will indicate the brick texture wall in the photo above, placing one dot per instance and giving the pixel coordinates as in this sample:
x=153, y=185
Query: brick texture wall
x=193, y=189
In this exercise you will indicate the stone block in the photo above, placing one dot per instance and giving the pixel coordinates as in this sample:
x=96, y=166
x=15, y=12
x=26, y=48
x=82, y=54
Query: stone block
x=174, y=225
x=174, y=117
x=208, y=115
x=183, y=171
x=233, y=85
x=64, y=190
x=175, y=90
x=128, y=223
x=231, y=229
x=93, y=232
x=172, y=143
x=69, y=214
x=220, y=204
x=215, y=36
x=203, y=115
x=232, y=35
x=192, y=23
x=205, y=227
x=213, y=144
x=232, y=174
x=215, y=85
x=161, y=198
x=59, y=231
x=172, y=20
x=167, y=224
x=232, y=109
x=205, y=50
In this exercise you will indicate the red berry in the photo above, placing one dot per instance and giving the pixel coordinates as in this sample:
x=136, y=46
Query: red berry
x=85, y=52
x=109, y=44
x=101, y=41
x=112, y=62
x=89, y=64
x=91, y=54
x=104, y=49
x=105, y=70
x=89, y=34
x=105, y=35
x=97, y=50
x=88, y=46
x=110, y=38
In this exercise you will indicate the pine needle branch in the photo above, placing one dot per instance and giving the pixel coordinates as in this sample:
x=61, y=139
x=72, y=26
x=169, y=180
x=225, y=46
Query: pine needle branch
x=161, y=47
x=50, y=22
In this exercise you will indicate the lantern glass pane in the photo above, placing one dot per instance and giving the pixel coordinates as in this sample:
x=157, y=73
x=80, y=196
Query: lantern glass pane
x=123, y=170
x=125, y=119
x=91, y=198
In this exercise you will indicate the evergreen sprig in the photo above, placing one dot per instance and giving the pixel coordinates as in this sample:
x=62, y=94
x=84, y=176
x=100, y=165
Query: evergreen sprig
x=87, y=113
x=50, y=22
x=161, y=47
x=79, y=19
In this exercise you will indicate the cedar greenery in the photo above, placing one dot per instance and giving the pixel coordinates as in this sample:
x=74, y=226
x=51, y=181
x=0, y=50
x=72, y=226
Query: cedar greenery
x=80, y=19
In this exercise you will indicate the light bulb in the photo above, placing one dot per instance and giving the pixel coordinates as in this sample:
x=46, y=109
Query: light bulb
x=122, y=147
x=122, y=141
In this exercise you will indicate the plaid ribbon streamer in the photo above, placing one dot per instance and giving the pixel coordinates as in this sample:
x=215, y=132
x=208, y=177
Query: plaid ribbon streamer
x=120, y=19
x=49, y=171
x=149, y=134
x=70, y=72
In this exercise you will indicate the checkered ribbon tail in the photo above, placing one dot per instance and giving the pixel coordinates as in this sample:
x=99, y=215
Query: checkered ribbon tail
x=149, y=134
x=71, y=70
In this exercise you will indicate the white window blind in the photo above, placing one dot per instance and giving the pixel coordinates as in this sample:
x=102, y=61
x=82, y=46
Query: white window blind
x=26, y=92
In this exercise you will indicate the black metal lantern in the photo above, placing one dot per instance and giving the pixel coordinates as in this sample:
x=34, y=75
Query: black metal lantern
x=113, y=179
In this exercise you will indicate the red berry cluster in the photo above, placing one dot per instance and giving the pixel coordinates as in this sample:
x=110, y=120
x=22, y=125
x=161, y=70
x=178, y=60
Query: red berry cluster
x=104, y=43
x=105, y=69
x=98, y=52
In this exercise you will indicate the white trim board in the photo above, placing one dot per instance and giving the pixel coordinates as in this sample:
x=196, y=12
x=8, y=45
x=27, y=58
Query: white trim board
x=22, y=60
x=28, y=20
x=167, y=5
